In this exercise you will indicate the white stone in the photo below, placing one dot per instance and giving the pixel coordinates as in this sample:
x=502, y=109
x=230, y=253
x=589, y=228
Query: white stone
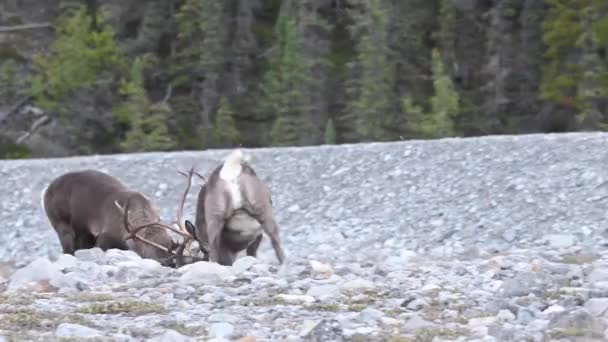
x=204, y=272
x=324, y=292
x=296, y=299
x=597, y=306
x=243, y=264
x=560, y=240
x=358, y=284
x=221, y=330
x=171, y=336
x=76, y=330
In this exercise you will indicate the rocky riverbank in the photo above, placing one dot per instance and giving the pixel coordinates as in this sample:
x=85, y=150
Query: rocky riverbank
x=481, y=239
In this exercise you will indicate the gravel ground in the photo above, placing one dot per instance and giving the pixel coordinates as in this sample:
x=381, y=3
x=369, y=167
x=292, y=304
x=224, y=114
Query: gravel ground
x=479, y=239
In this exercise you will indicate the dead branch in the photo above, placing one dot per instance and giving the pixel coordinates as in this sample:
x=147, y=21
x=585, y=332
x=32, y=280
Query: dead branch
x=6, y=29
x=15, y=108
x=44, y=120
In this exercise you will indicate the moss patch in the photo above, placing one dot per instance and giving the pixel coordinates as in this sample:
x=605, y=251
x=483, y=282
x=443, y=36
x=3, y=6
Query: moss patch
x=27, y=319
x=198, y=331
x=324, y=307
x=91, y=297
x=130, y=307
x=577, y=259
x=428, y=334
x=566, y=333
x=357, y=307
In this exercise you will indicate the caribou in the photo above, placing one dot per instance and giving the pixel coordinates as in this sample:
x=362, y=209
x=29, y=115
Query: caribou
x=89, y=208
x=234, y=208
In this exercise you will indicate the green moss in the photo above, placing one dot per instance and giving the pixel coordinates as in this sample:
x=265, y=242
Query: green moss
x=429, y=334
x=147, y=130
x=325, y=307
x=399, y=339
x=20, y=319
x=572, y=332
x=9, y=52
x=270, y=301
x=198, y=330
x=357, y=307
x=91, y=297
x=129, y=307
x=577, y=259
x=78, y=58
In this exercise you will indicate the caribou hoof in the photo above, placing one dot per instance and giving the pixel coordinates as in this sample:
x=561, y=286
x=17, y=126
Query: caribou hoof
x=283, y=269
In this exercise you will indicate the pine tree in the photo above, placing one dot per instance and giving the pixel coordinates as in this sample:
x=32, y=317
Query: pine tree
x=226, y=131
x=78, y=58
x=282, y=86
x=370, y=90
x=329, y=137
x=147, y=127
x=576, y=71
x=439, y=122
x=197, y=68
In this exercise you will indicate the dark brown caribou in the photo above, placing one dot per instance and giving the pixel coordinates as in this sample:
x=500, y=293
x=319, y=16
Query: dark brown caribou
x=89, y=208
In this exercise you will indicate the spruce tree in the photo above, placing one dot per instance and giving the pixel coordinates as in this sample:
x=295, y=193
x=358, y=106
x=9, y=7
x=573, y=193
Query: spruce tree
x=329, y=137
x=78, y=58
x=226, y=131
x=282, y=86
x=147, y=128
x=370, y=89
x=444, y=105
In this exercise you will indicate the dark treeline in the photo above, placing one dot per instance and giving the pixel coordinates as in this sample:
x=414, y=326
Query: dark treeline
x=141, y=75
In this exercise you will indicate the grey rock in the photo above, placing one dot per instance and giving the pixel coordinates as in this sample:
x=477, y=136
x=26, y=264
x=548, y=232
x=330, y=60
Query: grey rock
x=597, y=306
x=92, y=254
x=122, y=338
x=296, y=299
x=598, y=274
x=371, y=315
x=42, y=269
x=222, y=317
x=171, y=336
x=203, y=272
x=221, y=330
x=76, y=331
x=523, y=284
x=243, y=264
x=324, y=292
x=525, y=316
x=416, y=322
x=561, y=240
x=415, y=304
x=579, y=320
x=326, y=330
x=358, y=285
x=509, y=235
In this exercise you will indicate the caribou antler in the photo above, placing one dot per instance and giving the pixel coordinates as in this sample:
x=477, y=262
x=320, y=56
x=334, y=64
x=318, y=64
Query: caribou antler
x=133, y=233
x=178, y=253
x=180, y=211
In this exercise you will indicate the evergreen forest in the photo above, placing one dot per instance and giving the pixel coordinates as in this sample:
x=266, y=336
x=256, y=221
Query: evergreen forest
x=98, y=77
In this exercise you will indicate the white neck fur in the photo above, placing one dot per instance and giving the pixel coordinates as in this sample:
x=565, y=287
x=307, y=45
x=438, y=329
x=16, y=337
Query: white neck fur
x=230, y=172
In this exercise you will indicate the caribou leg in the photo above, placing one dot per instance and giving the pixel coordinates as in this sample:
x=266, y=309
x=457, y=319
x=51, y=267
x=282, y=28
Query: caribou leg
x=66, y=236
x=214, y=227
x=252, y=250
x=106, y=241
x=83, y=240
x=270, y=226
x=226, y=256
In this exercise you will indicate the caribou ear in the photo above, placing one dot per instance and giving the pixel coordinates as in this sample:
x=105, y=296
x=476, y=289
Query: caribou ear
x=191, y=229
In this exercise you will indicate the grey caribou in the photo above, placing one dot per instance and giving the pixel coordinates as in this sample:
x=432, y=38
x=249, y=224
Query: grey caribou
x=234, y=209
